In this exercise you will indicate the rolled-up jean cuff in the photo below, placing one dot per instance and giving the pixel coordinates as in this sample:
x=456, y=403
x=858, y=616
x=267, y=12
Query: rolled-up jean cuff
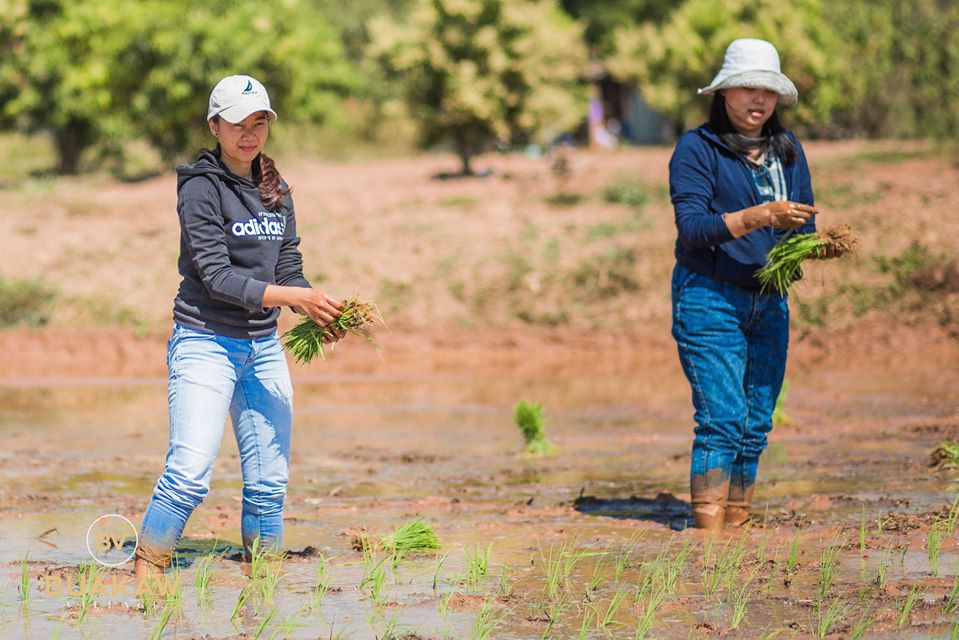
x=161, y=557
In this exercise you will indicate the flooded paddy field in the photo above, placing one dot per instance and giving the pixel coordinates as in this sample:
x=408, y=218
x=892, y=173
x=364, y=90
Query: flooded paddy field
x=854, y=534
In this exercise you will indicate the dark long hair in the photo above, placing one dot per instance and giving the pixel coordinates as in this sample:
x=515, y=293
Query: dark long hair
x=272, y=190
x=774, y=138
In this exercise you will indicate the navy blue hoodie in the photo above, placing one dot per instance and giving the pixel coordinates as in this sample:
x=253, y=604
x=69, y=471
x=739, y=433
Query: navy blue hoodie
x=708, y=179
x=231, y=248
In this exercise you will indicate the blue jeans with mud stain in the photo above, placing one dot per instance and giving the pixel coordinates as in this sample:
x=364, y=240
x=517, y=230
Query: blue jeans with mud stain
x=732, y=346
x=210, y=377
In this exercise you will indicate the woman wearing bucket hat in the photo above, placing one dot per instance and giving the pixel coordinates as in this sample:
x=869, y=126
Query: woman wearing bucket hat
x=738, y=183
x=240, y=262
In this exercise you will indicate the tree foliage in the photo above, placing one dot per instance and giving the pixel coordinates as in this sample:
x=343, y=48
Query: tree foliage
x=102, y=75
x=876, y=67
x=481, y=70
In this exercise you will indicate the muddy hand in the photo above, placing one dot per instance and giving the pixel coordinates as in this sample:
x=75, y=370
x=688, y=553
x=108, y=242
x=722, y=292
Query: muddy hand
x=783, y=214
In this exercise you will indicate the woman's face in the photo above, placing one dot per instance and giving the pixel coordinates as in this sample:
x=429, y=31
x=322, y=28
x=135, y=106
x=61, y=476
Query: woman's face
x=749, y=109
x=240, y=142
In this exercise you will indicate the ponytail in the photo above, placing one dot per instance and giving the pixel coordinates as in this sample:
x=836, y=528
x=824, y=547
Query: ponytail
x=271, y=191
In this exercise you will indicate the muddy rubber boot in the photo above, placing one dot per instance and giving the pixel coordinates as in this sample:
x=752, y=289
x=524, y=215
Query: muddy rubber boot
x=737, y=506
x=708, y=495
x=144, y=568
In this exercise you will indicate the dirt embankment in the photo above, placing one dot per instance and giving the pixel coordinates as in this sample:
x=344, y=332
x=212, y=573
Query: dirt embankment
x=516, y=262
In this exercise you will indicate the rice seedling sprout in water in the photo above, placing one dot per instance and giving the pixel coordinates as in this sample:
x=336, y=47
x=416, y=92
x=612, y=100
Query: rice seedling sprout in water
x=305, y=340
x=266, y=620
x=486, y=622
x=951, y=603
x=531, y=420
x=415, y=535
x=907, y=606
x=204, y=576
x=612, y=608
x=24, y=587
x=792, y=559
x=828, y=569
x=784, y=262
x=945, y=455
x=436, y=567
x=828, y=617
x=933, y=546
x=861, y=626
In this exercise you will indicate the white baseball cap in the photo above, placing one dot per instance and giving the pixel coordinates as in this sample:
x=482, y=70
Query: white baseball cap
x=753, y=63
x=235, y=97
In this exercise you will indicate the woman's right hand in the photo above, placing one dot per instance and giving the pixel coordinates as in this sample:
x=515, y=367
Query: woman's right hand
x=781, y=214
x=321, y=308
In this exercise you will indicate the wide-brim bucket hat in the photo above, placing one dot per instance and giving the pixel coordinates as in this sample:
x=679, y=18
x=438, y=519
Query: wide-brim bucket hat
x=753, y=63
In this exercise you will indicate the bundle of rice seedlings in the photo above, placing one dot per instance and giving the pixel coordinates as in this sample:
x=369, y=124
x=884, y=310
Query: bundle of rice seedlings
x=305, y=340
x=531, y=422
x=945, y=455
x=784, y=262
x=415, y=535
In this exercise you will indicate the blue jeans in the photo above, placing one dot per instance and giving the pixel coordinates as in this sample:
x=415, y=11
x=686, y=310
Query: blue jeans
x=211, y=376
x=732, y=345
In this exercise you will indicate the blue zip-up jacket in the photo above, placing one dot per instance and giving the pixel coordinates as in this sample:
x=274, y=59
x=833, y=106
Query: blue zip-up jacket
x=708, y=179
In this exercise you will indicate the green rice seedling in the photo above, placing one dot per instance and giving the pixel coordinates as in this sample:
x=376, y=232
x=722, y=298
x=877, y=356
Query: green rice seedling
x=952, y=519
x=769, y=634
x=655, y=598
x=530, y=419
x=674, y=567
x=506, y=586
x=934, y=545
x=90, y=582
x=945, y=455
x=552, y=568
x=738, y=598
x=612, y=609
x=445, y=603
x=162, y=621
x=827, y=618
x=265, y=570
x=761, y=549
x=622, y=558
x=861, y=626
x=828, y=569
x=784, y=262
x=955, y=632
x=951, y=602
x=599, y=571
x=24, y=587
x=203, y=578
x=245, y=593
x=780, y=417
x=885, y=561
x=792, y=558
x=439, y=565
x=288, y=627
x=415, y=535
x=862, y=533
x=262, y=626
x=486, y=622
x=321, y=587
x=374, y=574
x=880, y=523
x=586, y=623
x=477, y=566
x=305, y=340
x=907, y=606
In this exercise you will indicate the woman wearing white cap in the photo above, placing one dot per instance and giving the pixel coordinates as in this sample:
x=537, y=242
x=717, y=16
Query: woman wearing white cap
x=240, y=263
x=738, y=183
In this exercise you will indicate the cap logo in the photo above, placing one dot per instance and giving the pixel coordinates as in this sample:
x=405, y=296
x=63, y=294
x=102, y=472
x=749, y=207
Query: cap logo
x=249, y=88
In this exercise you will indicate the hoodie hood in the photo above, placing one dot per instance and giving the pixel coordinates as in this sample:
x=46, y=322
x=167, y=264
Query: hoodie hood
x=208, y=163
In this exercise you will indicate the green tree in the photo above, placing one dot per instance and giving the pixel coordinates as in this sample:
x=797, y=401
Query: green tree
x=669, y=61
x=475, y=71
x=99, y=76
x=602, y=19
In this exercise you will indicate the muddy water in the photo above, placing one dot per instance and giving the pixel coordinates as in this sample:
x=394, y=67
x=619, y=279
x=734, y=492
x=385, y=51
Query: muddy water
x=373, y=447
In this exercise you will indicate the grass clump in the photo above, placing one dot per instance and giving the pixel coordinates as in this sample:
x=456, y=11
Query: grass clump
x=627, y=192
x=945, y=455
x=305, y=340
x=530, y=418
x=784, y=262
x=415, y=535
x=25, y=301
